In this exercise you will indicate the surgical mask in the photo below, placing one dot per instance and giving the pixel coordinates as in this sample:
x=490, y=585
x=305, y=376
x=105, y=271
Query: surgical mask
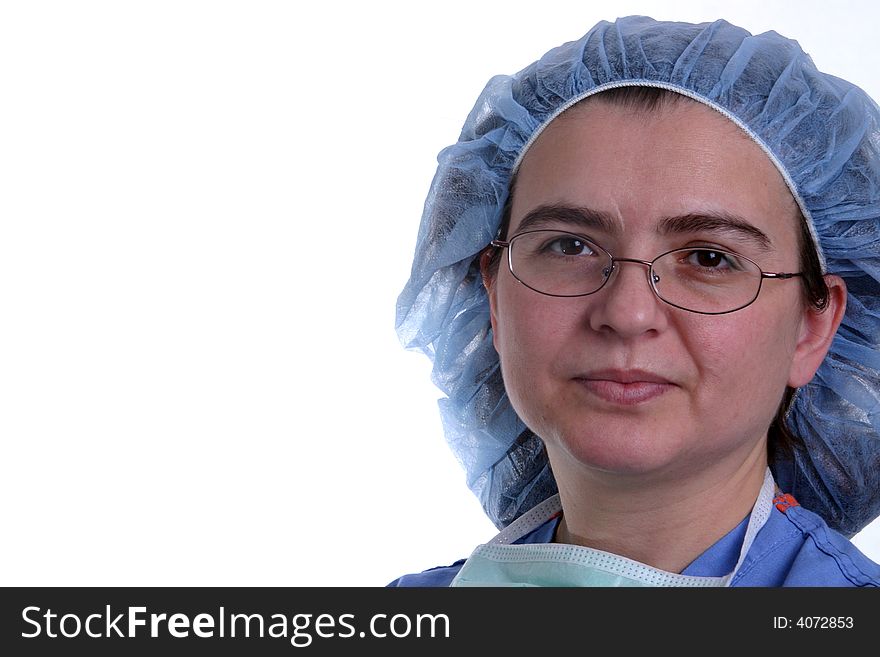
x=503, y=563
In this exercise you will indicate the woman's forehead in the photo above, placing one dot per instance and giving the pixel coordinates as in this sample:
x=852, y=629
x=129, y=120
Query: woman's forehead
x=634, y=166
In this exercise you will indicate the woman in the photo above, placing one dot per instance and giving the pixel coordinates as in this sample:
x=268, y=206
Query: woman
x=623, y=277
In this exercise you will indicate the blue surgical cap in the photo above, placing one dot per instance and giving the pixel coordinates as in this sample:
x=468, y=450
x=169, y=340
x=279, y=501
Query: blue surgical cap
x=823, y=135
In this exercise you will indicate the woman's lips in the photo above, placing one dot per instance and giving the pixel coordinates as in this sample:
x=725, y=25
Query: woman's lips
x=626, y=388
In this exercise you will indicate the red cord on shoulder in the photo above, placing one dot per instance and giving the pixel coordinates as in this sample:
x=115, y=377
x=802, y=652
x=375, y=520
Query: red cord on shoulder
x=784, y=501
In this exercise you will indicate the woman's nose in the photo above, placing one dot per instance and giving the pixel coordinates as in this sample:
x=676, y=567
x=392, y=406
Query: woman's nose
x=627, y=305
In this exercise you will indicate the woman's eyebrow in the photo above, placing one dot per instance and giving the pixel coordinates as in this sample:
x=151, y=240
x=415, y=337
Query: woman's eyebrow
x=716, y=223
x=590, y=219
x=579, y=217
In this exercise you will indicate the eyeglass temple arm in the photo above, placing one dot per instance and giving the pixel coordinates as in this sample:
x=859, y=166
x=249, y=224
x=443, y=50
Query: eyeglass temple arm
x=770, y=274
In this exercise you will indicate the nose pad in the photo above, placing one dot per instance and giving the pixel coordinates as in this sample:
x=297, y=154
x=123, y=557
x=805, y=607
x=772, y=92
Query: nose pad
x=651, y=275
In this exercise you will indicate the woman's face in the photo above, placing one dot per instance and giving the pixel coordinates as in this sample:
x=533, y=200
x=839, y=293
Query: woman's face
x=619, y=381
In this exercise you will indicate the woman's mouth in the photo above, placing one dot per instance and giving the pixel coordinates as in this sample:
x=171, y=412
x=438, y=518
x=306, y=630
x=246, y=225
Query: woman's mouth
x=625, y=387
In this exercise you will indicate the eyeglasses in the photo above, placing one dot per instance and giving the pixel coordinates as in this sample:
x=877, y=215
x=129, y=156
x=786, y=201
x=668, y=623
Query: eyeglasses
x=701, y=280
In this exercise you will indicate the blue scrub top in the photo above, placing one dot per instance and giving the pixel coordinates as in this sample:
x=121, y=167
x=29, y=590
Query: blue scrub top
x=795, y=547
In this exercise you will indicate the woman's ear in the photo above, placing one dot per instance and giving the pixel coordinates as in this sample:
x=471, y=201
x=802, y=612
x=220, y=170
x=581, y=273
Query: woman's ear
x=490, y=276
x=817, y=332
x=486, y=267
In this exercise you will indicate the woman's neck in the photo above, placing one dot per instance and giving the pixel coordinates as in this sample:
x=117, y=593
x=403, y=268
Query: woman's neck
x=665, y=523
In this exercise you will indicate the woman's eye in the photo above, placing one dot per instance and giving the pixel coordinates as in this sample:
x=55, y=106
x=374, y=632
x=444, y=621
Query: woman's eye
x=569, y=246
x=709, y=259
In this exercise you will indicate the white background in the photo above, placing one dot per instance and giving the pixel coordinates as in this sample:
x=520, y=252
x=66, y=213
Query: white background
x=207, y=211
